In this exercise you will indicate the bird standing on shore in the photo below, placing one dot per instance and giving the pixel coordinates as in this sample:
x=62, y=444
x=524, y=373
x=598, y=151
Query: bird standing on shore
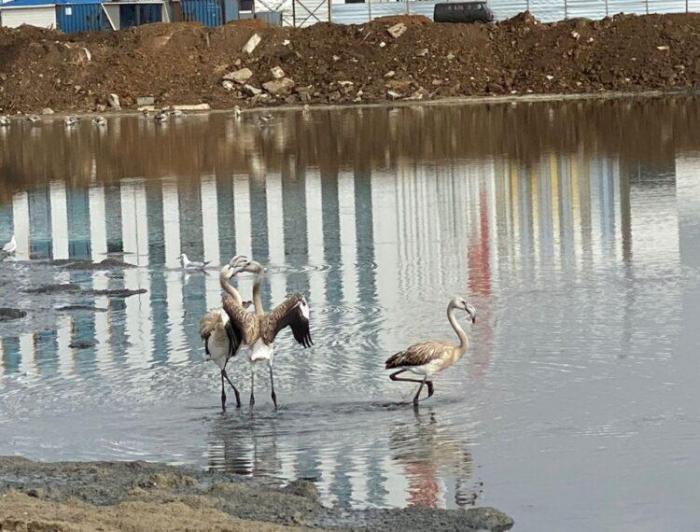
x=4, y=121
x=264, y=119
x=71, y=121
x=428, y=358
x=99, y=121
x=259, y=330
x=161, y=117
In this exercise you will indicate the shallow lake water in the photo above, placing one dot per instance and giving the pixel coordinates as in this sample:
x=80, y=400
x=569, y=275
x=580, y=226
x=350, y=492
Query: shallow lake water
x=572, y=227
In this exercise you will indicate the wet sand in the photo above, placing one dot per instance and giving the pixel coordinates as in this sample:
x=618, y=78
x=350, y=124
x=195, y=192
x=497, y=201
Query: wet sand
x=77, y=496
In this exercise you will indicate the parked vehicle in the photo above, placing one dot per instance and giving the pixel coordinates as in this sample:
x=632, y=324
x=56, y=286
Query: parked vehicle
x=463, y=12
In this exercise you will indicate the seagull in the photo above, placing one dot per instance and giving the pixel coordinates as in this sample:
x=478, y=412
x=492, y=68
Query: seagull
x=71, y=121
x=177, y=113
x=34, y=119
x=237, y=111
x=161, y=117
x=11, y=246
x=4, y=121
x=188, y=264
x=99, y=121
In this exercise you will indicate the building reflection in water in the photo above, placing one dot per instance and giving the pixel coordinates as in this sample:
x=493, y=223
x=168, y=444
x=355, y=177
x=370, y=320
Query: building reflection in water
x=429, y=454
x=363, y=244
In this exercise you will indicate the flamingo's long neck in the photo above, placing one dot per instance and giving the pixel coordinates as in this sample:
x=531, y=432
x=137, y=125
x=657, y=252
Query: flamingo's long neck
x=463, y=339
x=229, y=289
x=257, y=297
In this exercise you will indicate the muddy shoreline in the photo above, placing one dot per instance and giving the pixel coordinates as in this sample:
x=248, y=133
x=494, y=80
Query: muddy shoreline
x=454, y=100
x=71, y=496
x=161, y=65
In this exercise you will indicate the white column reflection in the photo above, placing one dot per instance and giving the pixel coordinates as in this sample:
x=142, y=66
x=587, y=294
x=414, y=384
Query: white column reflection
x=103, y=351
x=171, y=223
x=66, y=360
x=98, y=221
x=348, y=236
x=139, y=321
x=27, y=351
x=59, y=219
x=20, y=218
x=314, y=228
x=177, y=343
x=275, y=235
x=244, y=242
x=210, y=234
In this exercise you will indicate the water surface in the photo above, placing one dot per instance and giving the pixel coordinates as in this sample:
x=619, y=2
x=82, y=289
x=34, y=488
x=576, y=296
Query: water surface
x=572, y=227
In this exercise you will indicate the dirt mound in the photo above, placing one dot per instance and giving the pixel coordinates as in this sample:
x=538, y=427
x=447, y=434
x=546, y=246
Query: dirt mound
x=187, y=63
x=408, y=20
x=253, y=23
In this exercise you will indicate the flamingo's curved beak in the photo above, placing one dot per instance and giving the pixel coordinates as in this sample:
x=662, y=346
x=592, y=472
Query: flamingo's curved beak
x=472, y=312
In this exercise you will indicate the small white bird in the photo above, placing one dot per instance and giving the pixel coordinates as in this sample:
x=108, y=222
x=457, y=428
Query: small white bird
x=161, y=117
x=99, y=121
x=176, y=113
x=4, y=121
x=264, y=119
x=188, y=264
x=11, y=246
x=71, y=121
x=34, y=119
x=237, y=111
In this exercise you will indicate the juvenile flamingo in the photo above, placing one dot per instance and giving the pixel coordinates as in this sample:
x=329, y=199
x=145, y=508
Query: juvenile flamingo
x=428, y=358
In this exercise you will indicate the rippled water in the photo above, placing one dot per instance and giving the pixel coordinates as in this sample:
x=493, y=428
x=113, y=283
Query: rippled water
x=572, y=227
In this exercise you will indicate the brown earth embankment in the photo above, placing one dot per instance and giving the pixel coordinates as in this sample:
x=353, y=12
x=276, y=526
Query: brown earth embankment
x=186, y=63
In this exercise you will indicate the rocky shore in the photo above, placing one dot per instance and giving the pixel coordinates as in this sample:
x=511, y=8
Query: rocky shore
x=250, y=64
x=82, y=496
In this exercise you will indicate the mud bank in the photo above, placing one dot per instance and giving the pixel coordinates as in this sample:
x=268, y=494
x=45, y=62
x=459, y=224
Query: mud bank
x=144, y=496
x=176, y=64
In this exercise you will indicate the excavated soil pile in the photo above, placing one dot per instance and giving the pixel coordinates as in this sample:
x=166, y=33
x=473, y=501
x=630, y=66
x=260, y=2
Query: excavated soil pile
x=186, y=63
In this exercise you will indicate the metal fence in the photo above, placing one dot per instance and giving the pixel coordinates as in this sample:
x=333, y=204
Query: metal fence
x=306, y=12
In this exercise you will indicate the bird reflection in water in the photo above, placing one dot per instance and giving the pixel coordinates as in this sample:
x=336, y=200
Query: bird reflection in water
x=430, y=455
x=244, y=446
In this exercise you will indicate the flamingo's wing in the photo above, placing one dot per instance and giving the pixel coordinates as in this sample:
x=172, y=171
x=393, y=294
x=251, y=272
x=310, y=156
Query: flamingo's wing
x=294, y=313
x=416, y=355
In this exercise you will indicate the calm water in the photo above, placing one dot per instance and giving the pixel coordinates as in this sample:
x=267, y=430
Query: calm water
x=573, y=228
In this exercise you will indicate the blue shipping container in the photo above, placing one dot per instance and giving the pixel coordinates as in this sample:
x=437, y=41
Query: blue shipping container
x=136, y=14
x=150, y=13
x=206, y=12
x=230, y=10
x=76, y=18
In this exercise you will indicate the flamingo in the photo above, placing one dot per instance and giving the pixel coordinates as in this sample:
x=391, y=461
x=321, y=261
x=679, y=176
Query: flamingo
x=220, y=345
x=430, y=357
x=259, y=330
